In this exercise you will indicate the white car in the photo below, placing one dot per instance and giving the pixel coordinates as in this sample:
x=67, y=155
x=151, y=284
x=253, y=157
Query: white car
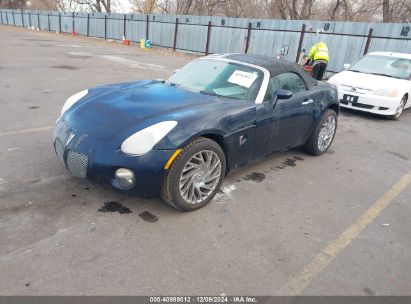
x=379, y=83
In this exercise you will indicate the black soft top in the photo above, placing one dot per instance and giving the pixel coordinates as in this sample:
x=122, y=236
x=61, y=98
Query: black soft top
x=274, y=66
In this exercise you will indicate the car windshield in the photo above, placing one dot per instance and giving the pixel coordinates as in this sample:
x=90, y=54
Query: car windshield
x=219, y=78
x=383, y=65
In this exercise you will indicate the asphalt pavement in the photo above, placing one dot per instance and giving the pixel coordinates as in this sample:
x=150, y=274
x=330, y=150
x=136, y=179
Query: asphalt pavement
x=291, y=223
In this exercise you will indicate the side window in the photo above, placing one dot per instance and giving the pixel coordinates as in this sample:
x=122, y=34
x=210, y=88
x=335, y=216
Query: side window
x=291, y=82
x=285, y=81
x=273, y=87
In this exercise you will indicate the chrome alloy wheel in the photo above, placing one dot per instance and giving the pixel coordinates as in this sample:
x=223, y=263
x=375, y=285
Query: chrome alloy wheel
x=200, y=176
x=326, y=133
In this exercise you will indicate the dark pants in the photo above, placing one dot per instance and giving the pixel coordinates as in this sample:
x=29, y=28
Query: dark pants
x=319, y=70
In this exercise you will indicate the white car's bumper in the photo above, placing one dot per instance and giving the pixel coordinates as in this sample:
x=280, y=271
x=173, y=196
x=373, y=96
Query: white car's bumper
x=382, y=105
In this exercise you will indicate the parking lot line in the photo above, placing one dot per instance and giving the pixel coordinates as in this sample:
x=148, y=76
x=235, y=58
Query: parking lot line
x=322, y=260
x=26, y=131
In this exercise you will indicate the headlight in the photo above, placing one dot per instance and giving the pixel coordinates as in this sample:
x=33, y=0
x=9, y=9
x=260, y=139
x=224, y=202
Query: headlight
x=72, y=100
x=144, y=140
x=387, y=92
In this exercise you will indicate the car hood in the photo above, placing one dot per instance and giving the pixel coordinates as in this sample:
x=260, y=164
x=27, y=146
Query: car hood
x=365, y=81
x=122, y=109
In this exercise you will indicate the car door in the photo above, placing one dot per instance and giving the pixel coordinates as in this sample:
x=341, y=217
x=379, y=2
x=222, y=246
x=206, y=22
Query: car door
x=284, y=123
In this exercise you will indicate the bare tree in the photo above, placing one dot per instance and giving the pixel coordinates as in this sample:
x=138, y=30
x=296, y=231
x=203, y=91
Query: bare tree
x=32, y=4
x=85, y=5
x=396, y=11
x=334, y=10
x=13, y=4
x=145, y=6
x=99, y=5
x=207, y=7
x=165, y=6
x=183, y=7
x=234, y=8
x=291, y=9
x=386, y=11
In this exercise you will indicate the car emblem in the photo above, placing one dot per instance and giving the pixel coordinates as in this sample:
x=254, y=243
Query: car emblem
x=71, y=136
x=353, y=90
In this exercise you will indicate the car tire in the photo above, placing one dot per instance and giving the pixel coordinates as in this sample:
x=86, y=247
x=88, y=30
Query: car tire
x=321, y=139
x=400, y=109
x=187, y=187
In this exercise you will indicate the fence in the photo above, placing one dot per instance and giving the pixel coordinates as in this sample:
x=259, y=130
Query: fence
x=347, y=41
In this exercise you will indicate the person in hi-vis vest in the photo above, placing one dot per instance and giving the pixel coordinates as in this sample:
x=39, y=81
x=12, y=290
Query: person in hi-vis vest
x=319, y=58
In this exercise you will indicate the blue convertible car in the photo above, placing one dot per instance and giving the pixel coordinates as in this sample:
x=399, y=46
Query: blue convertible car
x=180, y=137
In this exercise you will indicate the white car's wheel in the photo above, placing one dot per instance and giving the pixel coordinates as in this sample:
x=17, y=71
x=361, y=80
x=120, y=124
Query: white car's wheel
x=400, y=109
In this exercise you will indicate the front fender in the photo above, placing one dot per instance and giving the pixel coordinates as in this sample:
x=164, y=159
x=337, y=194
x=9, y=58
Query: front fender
x=327, y=97
x=233, y=128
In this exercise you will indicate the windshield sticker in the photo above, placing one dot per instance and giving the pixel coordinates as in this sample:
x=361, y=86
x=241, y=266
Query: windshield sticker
x=244, y=79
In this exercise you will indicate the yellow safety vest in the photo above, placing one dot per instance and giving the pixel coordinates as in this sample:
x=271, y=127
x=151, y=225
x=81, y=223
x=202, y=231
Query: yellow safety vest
x=319, y=52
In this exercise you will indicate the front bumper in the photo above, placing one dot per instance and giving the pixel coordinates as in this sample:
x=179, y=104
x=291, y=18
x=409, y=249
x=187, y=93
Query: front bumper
x=97, y=160
x=382, y=105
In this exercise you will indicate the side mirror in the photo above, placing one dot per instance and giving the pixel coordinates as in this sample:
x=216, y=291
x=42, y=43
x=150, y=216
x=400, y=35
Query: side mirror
x=284, y=94
x=346, y=66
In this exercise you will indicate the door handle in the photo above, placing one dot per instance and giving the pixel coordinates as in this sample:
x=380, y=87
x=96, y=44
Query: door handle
x=307, y=102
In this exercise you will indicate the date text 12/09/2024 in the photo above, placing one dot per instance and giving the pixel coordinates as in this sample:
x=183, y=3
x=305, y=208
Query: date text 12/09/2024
x=203, y=299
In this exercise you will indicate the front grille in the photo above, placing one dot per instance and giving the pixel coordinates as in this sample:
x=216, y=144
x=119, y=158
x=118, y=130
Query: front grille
x=58, y=146
x=362, y=105
x=77, y=163
x=356, y=90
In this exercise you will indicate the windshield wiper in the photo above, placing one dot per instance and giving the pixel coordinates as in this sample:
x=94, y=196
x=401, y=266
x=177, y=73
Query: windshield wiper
x=382, y=74
x=173, y=84
x=208, y=93
x=356, y=71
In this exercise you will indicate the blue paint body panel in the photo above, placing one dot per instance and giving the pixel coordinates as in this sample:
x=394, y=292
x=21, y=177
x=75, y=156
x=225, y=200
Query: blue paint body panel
x=105, y=157
x=96, y=126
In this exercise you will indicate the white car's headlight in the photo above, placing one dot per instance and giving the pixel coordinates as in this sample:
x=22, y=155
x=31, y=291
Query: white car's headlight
x=72, y=100
x=144, y=140
x=387, y=92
